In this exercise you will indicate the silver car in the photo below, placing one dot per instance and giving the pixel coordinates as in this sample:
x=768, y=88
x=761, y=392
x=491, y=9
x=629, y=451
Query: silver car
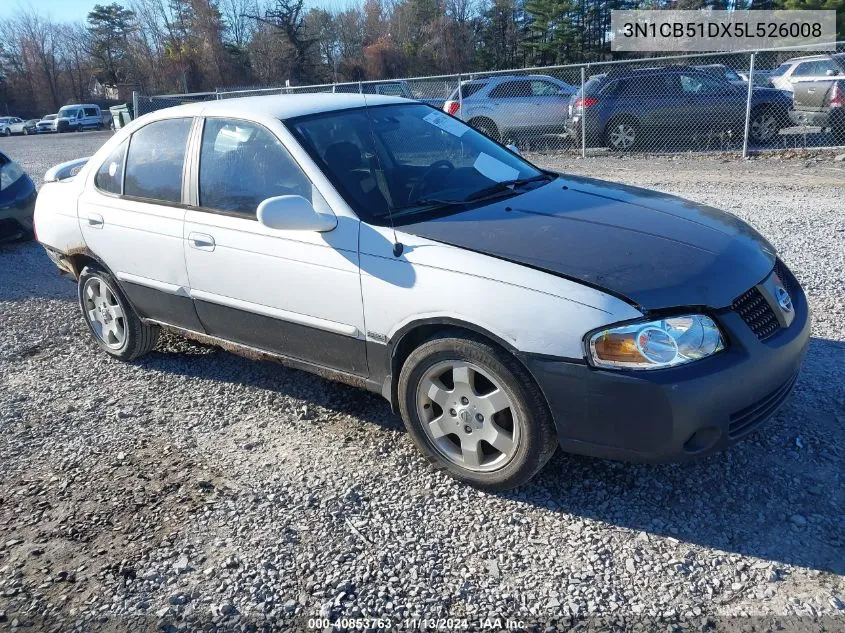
x=809, y=68
x=508, y=107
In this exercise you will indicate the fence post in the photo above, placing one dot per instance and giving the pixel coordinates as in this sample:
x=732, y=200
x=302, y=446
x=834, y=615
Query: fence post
x=748, y=107
x=460, y=98
x=135, y=113
x=583, y=118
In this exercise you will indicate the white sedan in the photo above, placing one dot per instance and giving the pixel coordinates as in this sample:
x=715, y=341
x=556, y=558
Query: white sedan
x=502, y=309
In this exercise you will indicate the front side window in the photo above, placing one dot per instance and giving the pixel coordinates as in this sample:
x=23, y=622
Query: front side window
x=155, y=159
x=411, y=159
x=701, y=85
x=109, y=177
x=243, y=164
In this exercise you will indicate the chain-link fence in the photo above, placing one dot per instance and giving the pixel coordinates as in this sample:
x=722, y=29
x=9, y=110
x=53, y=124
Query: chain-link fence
x=775, y=99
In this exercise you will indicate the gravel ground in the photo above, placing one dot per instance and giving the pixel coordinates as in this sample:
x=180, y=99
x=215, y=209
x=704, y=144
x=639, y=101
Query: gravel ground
x=195, y=489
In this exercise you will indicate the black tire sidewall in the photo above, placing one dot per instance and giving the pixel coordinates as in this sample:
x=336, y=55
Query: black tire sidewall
x=132, y=322
x=538, y=439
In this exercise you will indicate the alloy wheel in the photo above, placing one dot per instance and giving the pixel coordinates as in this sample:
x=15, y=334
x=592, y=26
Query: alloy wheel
x=622, y=135
x=467, y=415
x=104, y=312
x=764, y=126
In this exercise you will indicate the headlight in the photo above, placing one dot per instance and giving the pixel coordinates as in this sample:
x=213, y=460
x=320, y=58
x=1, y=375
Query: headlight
x=656, y=344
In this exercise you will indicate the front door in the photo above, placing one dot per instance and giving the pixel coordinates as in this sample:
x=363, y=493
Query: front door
x=133, y=219
x=295, y=293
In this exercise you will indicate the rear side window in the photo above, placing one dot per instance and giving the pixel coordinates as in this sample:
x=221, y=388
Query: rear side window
x=91, y=112
x=155, y=159
x=109, y=176
x=242, y=164
x=511, y=90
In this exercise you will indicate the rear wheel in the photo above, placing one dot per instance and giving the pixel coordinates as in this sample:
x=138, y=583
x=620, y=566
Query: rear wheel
x=474, y=411
x=116, y=327
x=764, y=125
x=487, y=128
x=622, y=135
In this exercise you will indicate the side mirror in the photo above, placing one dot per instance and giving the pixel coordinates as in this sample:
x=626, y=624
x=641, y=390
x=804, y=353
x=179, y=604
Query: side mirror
x=294, y=213
x=830, y=72
x=513, y=148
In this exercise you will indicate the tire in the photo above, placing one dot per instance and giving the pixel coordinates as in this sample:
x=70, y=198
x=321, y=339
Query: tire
x=129, y=338
x=764, y=125
x=838, y=131
x=487, y=128
x=78, y=128
x=622, y=135
x=25, y=132
x=492, y=396
x=7, y=132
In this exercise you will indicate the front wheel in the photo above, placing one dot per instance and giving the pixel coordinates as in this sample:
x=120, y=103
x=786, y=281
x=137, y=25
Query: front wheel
x=7, y=132
x=116, y=327
x=475, y=412
x=487, y=128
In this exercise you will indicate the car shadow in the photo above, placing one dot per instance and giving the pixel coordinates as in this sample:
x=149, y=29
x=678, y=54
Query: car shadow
x=777, y=496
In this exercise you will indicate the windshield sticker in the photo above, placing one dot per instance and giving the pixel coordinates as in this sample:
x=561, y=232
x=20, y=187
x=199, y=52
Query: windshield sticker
x=446, y=123
x=494, y=169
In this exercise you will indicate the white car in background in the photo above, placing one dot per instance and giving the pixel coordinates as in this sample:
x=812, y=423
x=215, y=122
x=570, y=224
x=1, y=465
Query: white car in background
x=502, y=309
x=808, y=68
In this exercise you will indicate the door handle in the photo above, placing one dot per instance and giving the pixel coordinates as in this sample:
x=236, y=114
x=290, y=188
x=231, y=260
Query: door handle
x=201, y=241
x=95, y=220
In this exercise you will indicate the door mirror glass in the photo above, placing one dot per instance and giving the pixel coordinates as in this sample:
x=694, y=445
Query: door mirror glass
x=294, y=213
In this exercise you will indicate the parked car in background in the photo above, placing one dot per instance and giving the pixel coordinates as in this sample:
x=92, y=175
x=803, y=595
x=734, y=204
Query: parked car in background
x=29, y=126
x=7, y=123
x=724, y=72
x=821, y=102
x=674, y=102
x=398, y=88
x=809, y=68
x=17, y=201
x=75, y=118
x=47, y=124
x=761, y=77
x=503, y=309
x=512, y=106
x=391, y=88
x=120, y=116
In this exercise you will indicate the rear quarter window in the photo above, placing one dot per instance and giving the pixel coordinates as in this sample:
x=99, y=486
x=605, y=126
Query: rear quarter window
x=109, y=177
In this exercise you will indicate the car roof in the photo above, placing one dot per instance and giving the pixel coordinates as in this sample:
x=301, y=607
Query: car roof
x=793, y=60
x=280, y=106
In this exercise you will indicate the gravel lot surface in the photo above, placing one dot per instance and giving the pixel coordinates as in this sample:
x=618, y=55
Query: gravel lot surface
x=198, y=489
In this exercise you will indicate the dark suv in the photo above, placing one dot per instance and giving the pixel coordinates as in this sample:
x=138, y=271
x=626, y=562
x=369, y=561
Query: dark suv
x=624, y=106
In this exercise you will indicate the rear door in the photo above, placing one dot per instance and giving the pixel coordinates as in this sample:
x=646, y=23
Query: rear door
x=513, y=105
x=295, y=293
x=132, y=218
x=712, y=104
x=551, y=106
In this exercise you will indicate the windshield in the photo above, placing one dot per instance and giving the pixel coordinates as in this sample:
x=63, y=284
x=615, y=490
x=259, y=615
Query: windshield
x=68, y=113
x=418, y=158
x=50, y=117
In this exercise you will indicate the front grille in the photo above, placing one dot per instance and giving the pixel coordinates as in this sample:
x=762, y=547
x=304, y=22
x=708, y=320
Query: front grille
x=757, y=314
x=746, y=420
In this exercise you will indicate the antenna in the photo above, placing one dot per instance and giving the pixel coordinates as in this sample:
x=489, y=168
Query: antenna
x=397, y=245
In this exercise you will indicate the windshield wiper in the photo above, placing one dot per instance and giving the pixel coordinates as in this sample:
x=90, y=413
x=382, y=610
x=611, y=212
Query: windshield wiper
x=505, y=185
x=419, y=203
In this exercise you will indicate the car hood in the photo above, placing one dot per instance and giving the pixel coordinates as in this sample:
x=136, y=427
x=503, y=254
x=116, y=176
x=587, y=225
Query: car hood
x=656, y=250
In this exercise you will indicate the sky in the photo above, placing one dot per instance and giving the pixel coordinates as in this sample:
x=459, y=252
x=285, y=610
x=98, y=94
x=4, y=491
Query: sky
x=59, y=10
